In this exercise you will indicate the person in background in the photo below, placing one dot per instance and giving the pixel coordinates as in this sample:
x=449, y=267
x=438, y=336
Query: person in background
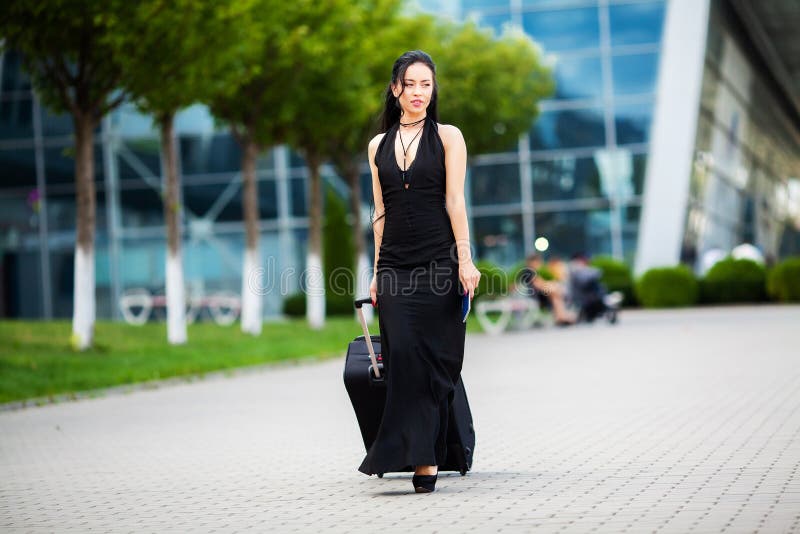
x=552, y=290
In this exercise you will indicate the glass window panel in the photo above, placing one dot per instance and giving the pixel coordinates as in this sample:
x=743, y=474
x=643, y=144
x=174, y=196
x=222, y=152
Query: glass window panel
x=62, y=212
x=16, y=116
x=572, y=232
x=298, y=194
x=578, y=78
x=566, y=178
x=141, y=207
x=639, y=173
x=496, y=21
x=634, y=73
x=295, y=159
x=568, y=129
x=59, y=164
x=554, y=3
x=484, y=4
x=19, y=215
x=14, y=76
x=199, y=199
x=56, y=124
x=565, y=29
x=22, y=291
x=136, y=157
x=636, y=23
x=141, y=264
x=495, y=184
x=498, y=238
x=17, y=168
x=62, y=279
x=201, y=154
x=633, y=122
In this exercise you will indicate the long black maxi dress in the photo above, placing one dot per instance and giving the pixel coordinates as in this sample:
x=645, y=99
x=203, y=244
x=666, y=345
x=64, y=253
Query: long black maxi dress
x=419, y=307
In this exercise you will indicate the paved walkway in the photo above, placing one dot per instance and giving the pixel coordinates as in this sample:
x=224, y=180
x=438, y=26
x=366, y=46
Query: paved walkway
x=672, y=421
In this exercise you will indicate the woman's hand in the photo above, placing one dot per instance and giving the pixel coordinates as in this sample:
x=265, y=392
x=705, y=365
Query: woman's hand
x=373, y=290
x=469, y=276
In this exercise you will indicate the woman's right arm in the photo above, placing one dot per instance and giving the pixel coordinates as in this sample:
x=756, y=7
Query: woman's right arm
x=377, y=196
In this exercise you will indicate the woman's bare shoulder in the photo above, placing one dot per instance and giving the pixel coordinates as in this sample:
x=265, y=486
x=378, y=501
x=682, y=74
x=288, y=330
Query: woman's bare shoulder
x=450, y=134
x=374, y=142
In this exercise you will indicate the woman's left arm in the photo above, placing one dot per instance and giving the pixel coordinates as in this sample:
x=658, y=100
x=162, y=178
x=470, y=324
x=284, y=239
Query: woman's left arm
x=455, y=160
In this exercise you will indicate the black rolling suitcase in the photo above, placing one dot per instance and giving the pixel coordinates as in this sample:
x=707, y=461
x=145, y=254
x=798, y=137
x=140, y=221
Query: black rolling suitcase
x=365, y=382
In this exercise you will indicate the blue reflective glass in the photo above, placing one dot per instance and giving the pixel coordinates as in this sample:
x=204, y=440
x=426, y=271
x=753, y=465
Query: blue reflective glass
x=494, y=184
x=202, y=154
x=18, y=168
x=16, y=116
x=568, y=129
x=575, y=232
x=637, y=23
x=59, y=164
x=297, y=188
x=200, y=198
x=635, y=73
x=467, y=5
x=498, y=238
x=578, y=78
x=14, y=77
x=565, y=29
x=137, y=160
x=633, y=122
x=565, y=178
x=141, y=207
x=56, y=124
x=496, y=21
x=62, y=213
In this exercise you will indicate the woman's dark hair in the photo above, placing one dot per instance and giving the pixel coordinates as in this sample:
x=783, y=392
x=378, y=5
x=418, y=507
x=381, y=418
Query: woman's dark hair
x=391, y=110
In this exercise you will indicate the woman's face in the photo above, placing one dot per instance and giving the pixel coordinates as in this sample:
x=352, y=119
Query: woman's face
x=416, y=90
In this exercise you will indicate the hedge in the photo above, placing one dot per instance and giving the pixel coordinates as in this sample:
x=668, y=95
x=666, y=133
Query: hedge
x=783, y=280
x=731, y=280
x=667, y=287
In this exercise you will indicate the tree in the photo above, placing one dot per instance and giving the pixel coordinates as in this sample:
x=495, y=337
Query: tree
x=175, y=53
x=334, y=83
x=490, y=87
x=64, y=45
x=385, y=37
x=259, y=109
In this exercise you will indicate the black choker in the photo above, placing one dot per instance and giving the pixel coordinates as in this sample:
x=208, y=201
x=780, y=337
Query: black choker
x=413, y=123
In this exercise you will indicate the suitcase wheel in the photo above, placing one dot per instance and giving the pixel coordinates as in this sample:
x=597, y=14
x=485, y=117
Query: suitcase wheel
x=463, y=472
x=380, y=475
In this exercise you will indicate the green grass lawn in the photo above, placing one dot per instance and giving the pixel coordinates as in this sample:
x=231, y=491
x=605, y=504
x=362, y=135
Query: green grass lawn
x=36, y=359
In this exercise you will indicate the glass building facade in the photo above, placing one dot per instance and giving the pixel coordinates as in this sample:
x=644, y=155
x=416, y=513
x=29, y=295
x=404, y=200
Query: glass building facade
x=579, y=177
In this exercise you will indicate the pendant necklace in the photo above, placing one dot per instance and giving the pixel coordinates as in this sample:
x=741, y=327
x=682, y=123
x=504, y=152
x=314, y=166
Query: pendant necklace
x=405, y=149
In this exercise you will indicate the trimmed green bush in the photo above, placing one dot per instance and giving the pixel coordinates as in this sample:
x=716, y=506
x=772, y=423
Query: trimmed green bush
x=617, y=276
x=493, y=282
x=783, y=280
x=295, y=305
x=667, y=287
x=732, y=280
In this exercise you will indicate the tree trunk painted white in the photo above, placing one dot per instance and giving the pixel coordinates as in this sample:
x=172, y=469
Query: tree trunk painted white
x=176, y=300
x=315, y=291
x=363, y=279
x=315, y=277
x=251, y=296
x=176, y=289
x=83, y=313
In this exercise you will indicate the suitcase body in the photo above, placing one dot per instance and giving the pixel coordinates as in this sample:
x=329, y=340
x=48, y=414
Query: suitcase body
x=367, y=393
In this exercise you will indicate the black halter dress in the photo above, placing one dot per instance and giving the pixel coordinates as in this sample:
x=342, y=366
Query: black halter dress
x=419, y=307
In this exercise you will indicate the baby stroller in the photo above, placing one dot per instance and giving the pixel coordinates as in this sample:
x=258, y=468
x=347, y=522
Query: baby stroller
x=590, y=297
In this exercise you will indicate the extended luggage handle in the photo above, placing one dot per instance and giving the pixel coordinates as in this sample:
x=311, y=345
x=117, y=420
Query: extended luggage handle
x=358, y=303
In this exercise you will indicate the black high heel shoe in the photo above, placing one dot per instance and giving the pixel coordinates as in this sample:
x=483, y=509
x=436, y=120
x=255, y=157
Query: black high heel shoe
x=424, y=483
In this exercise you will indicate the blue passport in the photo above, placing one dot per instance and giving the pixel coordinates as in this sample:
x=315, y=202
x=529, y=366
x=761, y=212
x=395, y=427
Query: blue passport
x=466, y=305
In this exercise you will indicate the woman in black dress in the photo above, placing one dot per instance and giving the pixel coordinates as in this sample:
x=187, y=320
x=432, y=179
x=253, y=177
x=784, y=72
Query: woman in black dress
x=423, y=266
